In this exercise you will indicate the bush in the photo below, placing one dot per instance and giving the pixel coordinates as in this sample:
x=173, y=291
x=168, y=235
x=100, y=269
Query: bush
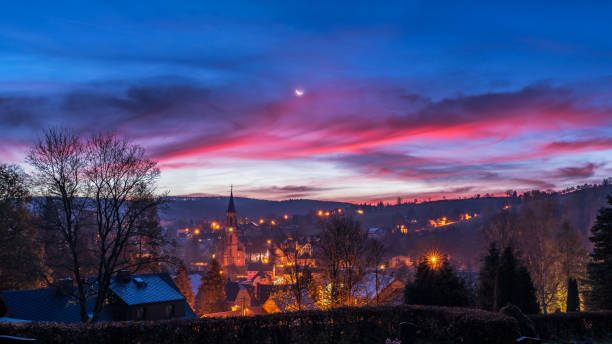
x=574, y=325
x=343, y=325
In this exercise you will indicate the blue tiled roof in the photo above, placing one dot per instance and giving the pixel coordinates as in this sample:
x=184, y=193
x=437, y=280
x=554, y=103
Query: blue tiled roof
x=46, y=305
x=155, y=289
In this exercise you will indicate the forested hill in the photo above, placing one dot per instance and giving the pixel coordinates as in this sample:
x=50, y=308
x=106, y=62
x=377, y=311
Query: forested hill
x=211, y=207
x=578, y=204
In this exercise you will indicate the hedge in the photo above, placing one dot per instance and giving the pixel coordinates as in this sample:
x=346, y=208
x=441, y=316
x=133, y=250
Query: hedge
x=343, y=325
x=573, y=325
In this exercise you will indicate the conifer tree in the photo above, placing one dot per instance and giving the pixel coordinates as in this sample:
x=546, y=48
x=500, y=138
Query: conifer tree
x=600, y=268
x=573, y=300
x=183, y=282
x=211, y=294
x=505, y=280
x=487, y=276
x=437, y=284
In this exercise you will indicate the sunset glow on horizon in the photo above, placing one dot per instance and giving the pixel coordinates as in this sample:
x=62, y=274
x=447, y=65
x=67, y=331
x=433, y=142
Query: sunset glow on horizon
x=323, y=101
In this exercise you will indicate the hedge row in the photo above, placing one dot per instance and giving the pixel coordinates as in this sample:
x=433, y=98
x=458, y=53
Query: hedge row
x=344, y=325
x=574, y=326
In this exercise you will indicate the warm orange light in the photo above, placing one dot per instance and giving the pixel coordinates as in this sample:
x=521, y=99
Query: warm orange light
x=214, y=255
x=261, y=221
x=269, y=241
x=286, y=217
x=382, y=267
x=273, y=222
x=359, y=211
x=320, y=213
x=231, y=229
x=327, y=213
x=507, y=206
x=196, y=232
x=339, y=210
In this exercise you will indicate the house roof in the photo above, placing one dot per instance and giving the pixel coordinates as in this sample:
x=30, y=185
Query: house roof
x=46, y=304
x=153, y=289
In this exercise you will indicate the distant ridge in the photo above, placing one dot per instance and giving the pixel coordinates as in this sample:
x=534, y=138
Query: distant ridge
x=214, y=206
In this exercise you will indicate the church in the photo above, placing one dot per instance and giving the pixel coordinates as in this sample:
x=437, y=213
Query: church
x=230, y=247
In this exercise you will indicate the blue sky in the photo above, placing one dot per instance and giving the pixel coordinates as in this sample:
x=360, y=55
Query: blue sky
x=411, y=99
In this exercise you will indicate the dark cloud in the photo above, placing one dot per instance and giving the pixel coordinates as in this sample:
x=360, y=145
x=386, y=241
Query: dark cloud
x=580, y=172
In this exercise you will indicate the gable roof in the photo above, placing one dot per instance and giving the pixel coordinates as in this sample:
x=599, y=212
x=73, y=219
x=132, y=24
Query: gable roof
x=46, y=304
x=155, y=287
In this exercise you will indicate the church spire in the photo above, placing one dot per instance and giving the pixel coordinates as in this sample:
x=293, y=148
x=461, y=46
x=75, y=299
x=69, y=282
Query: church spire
x=231, y=208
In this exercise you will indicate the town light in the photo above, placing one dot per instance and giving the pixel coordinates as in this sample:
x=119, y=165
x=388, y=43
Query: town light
x=320, y=213
x=261, y=221
x=382, y=266
x=286, y=217
x=339, y=210
x=359, y=211
x=269, y=241
x=273, y=222
x=196, y=232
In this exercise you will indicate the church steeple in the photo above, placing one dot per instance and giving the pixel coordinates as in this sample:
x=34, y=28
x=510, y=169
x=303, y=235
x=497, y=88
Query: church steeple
x=231, y=208
x=230, y=214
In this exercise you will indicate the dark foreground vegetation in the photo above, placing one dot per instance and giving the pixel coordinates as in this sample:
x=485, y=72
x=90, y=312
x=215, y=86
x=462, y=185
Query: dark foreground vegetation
x=342, y=325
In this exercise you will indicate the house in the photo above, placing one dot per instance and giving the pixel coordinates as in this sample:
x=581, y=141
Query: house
x=132, y=297
x=390, y=290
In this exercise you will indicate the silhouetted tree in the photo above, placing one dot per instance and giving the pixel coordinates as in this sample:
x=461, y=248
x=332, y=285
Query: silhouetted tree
x=211, y=294
x=573, y=299
x=436, y=284
x=487, y=277
x=600, y=268
x=513, y=284
x=20, y=252
x=342, y=248
x=103, y=187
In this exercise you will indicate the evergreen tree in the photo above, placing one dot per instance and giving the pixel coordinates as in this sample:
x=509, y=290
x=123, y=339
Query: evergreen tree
x=437, y=284
x=211, y=294
x=505, y=280
x=526, y=298
x=600, y=268
x=573, y=300
x=183, y=282
x=487, y=276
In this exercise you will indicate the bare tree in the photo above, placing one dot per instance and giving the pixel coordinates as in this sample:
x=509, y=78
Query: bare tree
x=297, y=268
x=106, y=178
x=342, y=248
x=376, y=251
x=59, y=161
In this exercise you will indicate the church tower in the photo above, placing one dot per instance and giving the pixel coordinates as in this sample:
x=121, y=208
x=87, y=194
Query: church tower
x=230, y=214
x=233, y=249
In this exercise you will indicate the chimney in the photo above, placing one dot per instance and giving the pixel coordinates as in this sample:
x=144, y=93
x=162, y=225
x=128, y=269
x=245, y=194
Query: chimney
x=124, y=275
x=65, y=286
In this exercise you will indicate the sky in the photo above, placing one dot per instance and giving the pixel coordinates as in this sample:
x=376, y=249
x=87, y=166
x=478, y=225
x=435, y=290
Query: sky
x=334, y=100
